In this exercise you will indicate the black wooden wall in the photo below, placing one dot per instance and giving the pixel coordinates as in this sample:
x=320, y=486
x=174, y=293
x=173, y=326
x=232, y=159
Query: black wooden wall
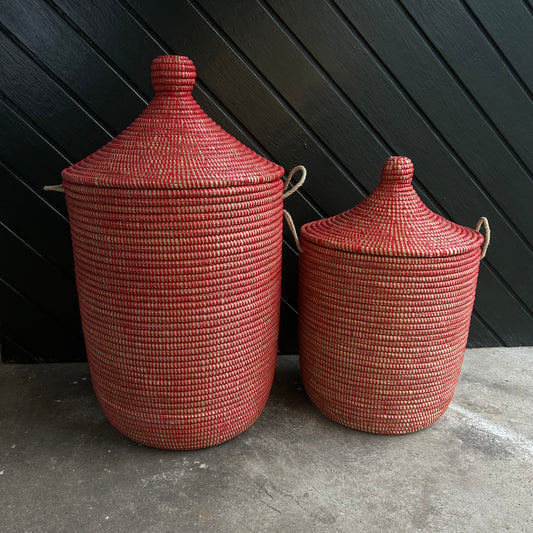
x=335, y=85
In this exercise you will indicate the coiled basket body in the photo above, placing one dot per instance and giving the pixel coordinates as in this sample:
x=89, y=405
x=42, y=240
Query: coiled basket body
x=384, y=312
x=178, y=277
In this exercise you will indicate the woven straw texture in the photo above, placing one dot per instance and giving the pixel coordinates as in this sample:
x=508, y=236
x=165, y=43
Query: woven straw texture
x=177, y=234
x=386, y=295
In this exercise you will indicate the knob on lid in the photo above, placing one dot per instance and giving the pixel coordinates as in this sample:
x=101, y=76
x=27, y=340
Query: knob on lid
x=173, y=74
x=392, y=221
x=173, y=144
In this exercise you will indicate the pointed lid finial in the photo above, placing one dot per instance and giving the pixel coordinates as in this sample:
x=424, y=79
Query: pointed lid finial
x=173, y=144
x=173, y=74
x=392, y=221
x=397, y=171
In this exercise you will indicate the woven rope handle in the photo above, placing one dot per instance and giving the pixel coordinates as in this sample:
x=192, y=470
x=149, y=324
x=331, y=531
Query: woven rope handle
x=483, y=221
x=287, y=192
x=54, y=188
x=290, y=223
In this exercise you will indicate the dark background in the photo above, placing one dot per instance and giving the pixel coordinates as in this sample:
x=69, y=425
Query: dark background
x=336, y=86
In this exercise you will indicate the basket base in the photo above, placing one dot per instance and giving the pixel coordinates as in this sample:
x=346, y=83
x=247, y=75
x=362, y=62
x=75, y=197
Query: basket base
x=192, y=434
x=179, y=429
x=378, y=423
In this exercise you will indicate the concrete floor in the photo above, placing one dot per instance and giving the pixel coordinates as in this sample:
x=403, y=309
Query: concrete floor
x=63, y=468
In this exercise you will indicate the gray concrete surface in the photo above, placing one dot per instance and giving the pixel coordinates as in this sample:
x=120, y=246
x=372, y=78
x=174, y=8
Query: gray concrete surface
x=63, y=468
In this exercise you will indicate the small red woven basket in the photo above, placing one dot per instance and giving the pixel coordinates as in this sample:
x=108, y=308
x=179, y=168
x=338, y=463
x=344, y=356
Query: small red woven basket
x=177, y=234
x=386, y=295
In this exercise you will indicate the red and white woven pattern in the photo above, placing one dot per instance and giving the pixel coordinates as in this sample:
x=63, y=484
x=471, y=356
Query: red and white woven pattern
x=177, y=233
x=386, y=296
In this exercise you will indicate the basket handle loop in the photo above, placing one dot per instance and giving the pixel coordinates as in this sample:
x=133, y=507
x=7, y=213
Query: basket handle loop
x=290, y=223
x=287, y=192
x=54, y=188
x=483, y=221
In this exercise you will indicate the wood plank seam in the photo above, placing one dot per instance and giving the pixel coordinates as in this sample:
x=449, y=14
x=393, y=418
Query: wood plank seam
x=465, y=89
x=108, y=130
x=497, y=49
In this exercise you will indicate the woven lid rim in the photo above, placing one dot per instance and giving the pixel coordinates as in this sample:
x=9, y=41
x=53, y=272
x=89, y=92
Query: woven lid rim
x=141, y=183
x=440, y=253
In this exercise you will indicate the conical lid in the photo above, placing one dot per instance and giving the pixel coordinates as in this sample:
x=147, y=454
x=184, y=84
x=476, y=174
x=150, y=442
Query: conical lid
x=173, y=144
x=392, y=221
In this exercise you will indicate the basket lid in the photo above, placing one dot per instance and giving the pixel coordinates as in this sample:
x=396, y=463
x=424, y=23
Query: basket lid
x=173, y=144
x=393, y=221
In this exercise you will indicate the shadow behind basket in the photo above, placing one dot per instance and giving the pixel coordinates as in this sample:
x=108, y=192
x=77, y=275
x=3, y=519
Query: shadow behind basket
x=177, y=234
x=386, y=296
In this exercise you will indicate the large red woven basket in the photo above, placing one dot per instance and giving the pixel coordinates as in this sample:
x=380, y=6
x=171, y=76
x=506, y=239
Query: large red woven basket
x=177, y=233
x=386, y=295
